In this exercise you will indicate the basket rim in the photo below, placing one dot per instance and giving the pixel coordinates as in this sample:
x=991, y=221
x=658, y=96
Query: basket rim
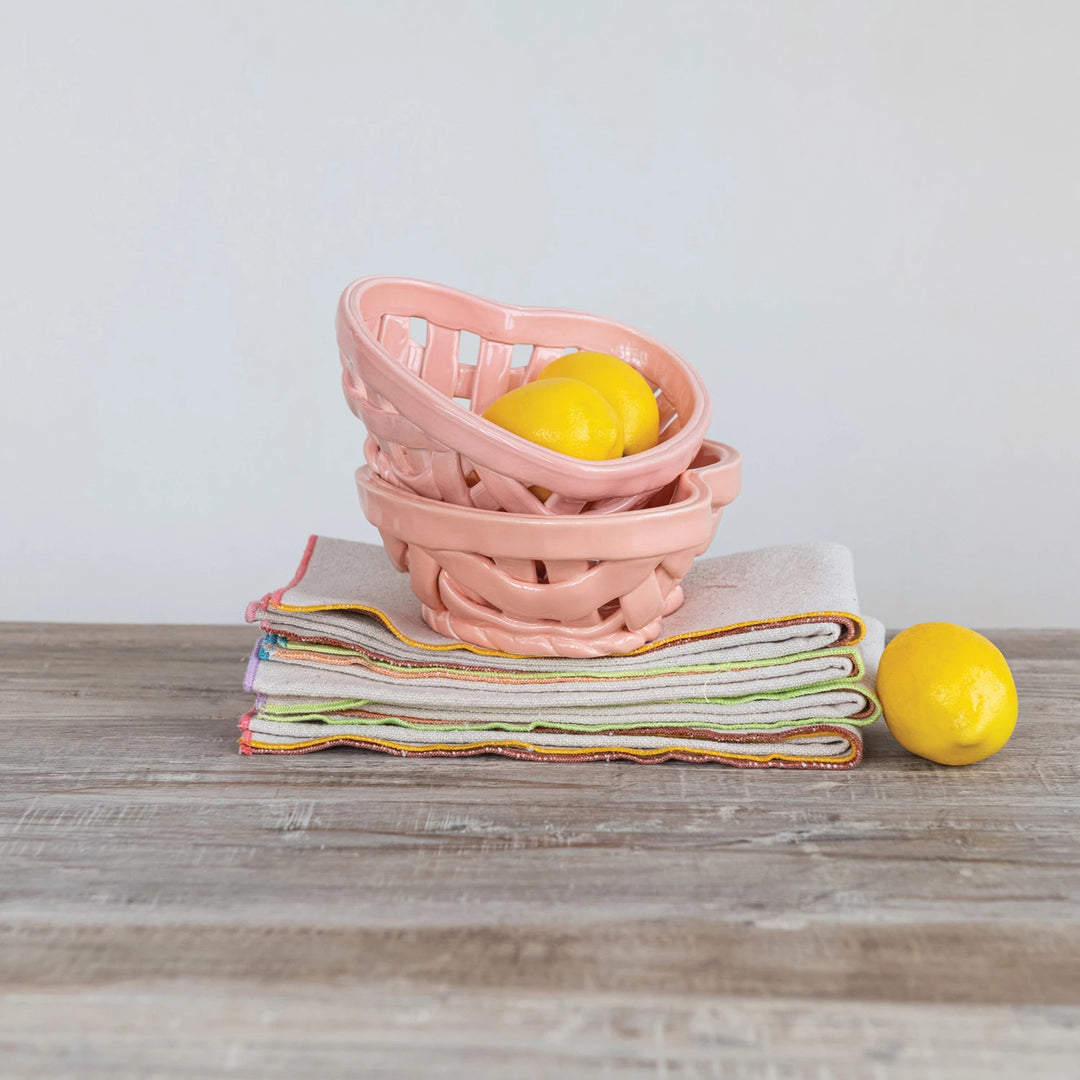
x=687, y=522
x=477, y=438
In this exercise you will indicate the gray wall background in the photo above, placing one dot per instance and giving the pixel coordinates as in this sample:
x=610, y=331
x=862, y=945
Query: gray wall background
x=858, y=220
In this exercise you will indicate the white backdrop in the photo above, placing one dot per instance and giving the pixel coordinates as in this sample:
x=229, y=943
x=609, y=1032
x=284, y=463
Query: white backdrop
x=859, y=221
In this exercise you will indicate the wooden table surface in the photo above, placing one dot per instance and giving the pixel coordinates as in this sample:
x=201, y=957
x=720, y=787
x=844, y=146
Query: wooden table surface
x=171, y=909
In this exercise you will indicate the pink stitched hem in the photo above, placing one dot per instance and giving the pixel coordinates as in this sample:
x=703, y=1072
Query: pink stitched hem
x=254, y=611
x=301, y=570
x=245, y=724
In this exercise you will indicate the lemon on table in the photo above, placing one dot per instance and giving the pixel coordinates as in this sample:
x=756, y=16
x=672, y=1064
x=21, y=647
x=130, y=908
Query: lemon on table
x=562, y=414
x=947, y=693
x=623, y=386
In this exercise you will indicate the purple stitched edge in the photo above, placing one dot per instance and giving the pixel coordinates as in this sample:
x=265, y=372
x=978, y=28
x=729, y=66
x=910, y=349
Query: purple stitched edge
x=253, y=663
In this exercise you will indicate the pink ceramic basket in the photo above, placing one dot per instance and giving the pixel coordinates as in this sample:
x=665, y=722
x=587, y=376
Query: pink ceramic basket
x=425, y=442
x=583, y=585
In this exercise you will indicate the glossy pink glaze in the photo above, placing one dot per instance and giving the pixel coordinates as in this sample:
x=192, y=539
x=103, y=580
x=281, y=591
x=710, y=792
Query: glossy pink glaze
x=582, y=585
x=425, y=442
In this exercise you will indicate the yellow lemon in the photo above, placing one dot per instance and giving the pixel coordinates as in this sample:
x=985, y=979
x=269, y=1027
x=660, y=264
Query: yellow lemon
x=623, y=386
x=562, y=414
x=947, y=693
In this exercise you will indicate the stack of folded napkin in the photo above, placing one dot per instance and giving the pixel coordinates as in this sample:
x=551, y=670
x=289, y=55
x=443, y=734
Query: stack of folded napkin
x=767, y=663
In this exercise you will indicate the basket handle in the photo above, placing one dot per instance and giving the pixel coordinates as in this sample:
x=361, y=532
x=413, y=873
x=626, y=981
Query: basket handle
x=720, y=466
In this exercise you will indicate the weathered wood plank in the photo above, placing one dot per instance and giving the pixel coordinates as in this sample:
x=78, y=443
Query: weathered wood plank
x=956, y=962
x=253, y=1032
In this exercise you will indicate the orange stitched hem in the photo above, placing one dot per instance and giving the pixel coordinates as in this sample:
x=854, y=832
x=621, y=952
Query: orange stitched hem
x=468, y=674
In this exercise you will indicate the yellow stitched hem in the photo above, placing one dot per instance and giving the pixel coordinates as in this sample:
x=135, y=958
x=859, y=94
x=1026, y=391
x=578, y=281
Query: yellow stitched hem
x=860, y=631
x=555, y=751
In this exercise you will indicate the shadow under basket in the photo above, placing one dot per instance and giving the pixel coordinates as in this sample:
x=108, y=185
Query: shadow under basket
x=422, y=400
x=581, y=585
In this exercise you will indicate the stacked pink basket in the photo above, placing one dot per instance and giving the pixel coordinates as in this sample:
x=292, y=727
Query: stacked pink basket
x=591, y=570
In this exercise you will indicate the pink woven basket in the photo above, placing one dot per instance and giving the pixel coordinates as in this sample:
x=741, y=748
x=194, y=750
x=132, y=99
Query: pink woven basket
x=583, y=585
x=424, y=441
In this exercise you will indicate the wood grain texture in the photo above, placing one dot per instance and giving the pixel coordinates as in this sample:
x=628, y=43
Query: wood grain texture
x=168, y=908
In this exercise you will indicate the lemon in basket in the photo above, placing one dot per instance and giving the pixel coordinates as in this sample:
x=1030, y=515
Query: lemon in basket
x=947, y=693
x=566, y=415
x=623, y=386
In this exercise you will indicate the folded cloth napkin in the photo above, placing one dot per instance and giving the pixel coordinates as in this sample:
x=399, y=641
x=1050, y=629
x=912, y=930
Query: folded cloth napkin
x=766, y=663
x=753, y=605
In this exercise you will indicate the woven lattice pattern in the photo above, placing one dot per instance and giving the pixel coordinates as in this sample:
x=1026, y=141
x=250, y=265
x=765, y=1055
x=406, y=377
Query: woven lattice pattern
x=514, y=583
x=438, y=446
x=496, y=602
